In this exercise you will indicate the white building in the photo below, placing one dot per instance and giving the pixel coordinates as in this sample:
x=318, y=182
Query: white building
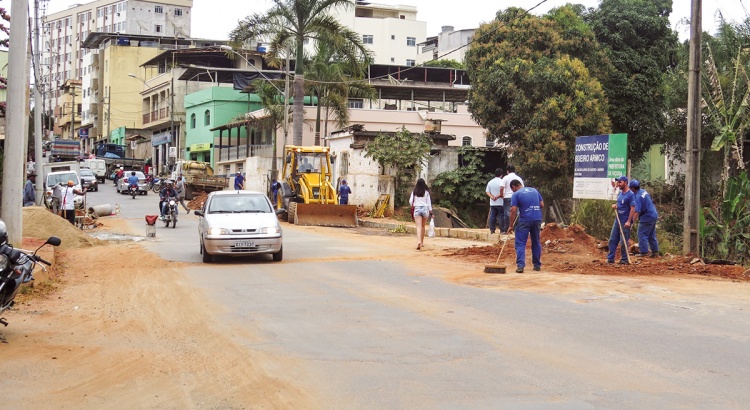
x=450, y=44
x=390, y=32
x=65, y=31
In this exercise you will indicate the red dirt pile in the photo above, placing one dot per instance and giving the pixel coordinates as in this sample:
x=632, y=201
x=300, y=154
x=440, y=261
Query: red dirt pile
x=198, y=200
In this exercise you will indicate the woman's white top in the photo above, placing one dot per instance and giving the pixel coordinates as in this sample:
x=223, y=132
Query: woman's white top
x=425, y=200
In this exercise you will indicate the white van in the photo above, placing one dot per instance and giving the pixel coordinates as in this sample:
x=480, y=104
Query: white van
x=98, y=167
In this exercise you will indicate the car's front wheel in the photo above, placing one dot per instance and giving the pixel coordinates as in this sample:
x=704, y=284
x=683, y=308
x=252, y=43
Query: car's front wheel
x=206, y=257
x=278, y=256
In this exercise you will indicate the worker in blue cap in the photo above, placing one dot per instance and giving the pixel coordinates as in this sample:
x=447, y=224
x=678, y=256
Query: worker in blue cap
x=646, y=214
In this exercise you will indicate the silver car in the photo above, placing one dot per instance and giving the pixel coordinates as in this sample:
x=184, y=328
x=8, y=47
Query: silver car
x=122, y=184
x=238, y=223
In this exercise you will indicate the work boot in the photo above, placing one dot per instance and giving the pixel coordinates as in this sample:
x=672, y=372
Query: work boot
x=519, y=270
x=537, y=268
x=624, y=262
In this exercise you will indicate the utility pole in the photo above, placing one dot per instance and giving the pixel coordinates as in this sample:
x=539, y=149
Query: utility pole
x=14, y=165
x=38, y=105
x=109, y=118
x=286, y=98
x=690, y=235
x=73, y=111
x=171, y=110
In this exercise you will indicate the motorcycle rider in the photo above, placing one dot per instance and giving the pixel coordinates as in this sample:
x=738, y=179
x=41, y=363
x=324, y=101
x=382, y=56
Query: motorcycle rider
x=133, y=181
x=167, y=192
x=120, y=172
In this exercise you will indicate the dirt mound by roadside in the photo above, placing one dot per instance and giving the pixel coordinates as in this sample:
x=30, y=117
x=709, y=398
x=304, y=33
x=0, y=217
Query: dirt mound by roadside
x=572, y=250
x=40, y=223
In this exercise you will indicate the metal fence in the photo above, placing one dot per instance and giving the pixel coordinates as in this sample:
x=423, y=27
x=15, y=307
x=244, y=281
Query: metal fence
x=241, y=152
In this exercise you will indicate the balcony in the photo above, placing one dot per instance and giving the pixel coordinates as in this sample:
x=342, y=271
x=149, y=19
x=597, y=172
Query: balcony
x=156, y=115
x=241, y=152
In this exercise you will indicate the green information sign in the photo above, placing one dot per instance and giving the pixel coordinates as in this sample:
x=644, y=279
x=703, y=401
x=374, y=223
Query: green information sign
x=617, y=163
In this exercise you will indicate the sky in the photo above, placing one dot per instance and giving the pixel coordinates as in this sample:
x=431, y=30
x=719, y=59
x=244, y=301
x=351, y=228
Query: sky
x=214, y=19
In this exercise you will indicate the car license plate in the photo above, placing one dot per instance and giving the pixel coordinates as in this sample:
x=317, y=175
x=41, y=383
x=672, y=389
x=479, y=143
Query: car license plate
x=244, y=244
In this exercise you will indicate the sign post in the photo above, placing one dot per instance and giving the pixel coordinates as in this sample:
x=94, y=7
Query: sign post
x=598, y=159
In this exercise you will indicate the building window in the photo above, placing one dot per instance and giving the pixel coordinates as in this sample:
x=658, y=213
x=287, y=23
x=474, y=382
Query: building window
x=158, y=9
x=207, y=118
x=393, y=59
x=367, y=39
x=157, y=28
x=356, y=103
x=177, y=12
x=192, y=121
x=466, y=141
x=411, y=63
x=411, y=41
x=393, y=37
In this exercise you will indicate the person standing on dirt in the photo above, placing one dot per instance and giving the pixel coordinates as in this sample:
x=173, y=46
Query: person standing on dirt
x=494, y=191
x=29, y=195
x=625, y=209
x=180, y=188
x=68, y=201
x=507, y=193
x=239, y=181
x=344, y=192
x=526, y=205
x=646, y=214
x=422, y=203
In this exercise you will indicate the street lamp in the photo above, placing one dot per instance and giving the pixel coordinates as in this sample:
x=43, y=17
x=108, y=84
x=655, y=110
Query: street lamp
x=284, y=93
x=171, y=112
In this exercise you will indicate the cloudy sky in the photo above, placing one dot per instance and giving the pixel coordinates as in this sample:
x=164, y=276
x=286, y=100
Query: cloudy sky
x=215, y=18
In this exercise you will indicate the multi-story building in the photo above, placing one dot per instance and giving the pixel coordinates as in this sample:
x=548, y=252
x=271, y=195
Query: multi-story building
x=65, y=31
x=390, y=32
x=68, y=112
x=449, y=44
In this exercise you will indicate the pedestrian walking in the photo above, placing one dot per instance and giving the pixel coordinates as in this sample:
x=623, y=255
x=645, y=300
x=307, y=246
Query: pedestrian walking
x=422, y=203
x=507, y=194
x=494, y=191
x=68, y=201
x=239, y=181
x=29, y=195
x=56, y=201
x=646, y=215
x=526, y=205
x=625, y=209
x=344, y=192
x=180, y=188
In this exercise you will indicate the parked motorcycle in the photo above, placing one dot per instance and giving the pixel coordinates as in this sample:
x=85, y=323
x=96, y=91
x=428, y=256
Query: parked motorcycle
x=170, y=216
x=16, y=268
x=155, y=184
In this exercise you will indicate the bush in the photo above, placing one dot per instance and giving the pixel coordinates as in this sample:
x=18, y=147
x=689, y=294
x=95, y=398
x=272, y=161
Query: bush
x=596, y=215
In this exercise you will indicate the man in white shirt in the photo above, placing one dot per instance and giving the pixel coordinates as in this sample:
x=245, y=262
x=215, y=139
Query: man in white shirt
x=507, y=193
x=68, y=201
x=494, y=189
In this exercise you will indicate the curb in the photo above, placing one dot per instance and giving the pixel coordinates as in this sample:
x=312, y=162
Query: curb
x=458, y=233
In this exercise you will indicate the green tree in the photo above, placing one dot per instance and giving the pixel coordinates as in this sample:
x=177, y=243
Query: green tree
x=463, y=187
x=533, y=97
x=404, y=153
x=445, y=63
x=288, y=24
x=641, y=47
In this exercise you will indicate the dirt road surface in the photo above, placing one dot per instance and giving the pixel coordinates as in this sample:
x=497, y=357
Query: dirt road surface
x=113, y=333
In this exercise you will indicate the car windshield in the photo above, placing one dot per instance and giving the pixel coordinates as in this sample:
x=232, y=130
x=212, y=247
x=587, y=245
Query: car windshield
x=86, y=173
x=54, y=179
x=239, y=204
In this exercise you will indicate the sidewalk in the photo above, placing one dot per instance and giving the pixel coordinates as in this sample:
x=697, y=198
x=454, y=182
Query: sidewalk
x=460, y=233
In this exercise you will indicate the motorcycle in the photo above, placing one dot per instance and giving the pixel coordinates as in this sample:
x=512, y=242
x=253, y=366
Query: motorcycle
x=170, y=217
x=16, y=268
x=133, y=190
x=155, y=184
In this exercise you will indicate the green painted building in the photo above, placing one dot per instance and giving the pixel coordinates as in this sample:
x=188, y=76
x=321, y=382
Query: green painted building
x=211, y=108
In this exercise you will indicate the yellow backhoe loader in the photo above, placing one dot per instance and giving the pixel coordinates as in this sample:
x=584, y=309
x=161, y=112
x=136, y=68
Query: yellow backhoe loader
x=307, y=191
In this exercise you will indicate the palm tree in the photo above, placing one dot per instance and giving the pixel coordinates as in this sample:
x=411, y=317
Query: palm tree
x=288, y=24
x=333, y=80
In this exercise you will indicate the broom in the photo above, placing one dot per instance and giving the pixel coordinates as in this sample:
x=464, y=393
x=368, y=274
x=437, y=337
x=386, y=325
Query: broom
x=495, y=268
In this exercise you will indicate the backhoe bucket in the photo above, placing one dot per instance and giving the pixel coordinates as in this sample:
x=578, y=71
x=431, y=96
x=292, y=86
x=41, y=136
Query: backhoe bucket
x=326, y=215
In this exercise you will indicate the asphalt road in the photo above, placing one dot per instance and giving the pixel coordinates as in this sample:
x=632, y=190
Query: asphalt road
x=368, y=325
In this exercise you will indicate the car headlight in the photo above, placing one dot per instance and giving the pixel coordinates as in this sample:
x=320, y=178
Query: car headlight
x=218, y=231
x=4, y=262
x=270, y=230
